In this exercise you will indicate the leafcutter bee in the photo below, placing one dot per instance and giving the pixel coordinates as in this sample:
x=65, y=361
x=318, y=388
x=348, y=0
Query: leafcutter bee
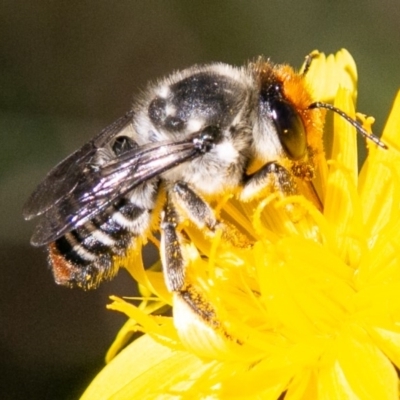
x=191, y=135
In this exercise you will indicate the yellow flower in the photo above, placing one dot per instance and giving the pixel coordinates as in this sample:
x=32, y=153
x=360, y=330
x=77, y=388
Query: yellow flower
x=311, y=309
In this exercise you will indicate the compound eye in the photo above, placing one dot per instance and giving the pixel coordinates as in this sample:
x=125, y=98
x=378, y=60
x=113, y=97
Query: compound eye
x=290, y=128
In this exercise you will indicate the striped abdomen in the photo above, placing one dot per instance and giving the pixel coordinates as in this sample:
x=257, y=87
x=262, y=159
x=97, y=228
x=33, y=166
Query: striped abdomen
x=85, y=256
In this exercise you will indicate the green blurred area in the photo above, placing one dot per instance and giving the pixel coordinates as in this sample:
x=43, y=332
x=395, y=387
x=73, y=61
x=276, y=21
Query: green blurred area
x=69, y=68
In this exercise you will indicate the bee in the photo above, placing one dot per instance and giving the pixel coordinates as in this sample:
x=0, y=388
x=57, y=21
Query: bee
x=192, y=135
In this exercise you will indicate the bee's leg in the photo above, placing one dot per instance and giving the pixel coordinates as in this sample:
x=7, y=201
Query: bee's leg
x=173, y=261
x=172, y=249
x=271, y=176
x=199, y=212
x=194, y=207
x=202, y=215
x=308, y=61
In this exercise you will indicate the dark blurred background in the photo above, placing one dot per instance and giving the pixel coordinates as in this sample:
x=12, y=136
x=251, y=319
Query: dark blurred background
x=69, y=68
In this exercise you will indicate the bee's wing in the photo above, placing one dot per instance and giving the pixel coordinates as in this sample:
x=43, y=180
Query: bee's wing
x=96, y=189
x=63, y=178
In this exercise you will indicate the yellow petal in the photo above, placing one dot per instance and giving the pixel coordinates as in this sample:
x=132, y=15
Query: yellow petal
x=306, y=290
x=391, y=131
x=327, y=74
x=358, y=370
x=147, y=370
x=381, y=264
x=388, y=339
x=380, y=178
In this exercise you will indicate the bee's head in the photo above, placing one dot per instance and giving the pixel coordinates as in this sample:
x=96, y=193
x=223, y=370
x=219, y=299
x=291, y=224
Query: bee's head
x=289, y=124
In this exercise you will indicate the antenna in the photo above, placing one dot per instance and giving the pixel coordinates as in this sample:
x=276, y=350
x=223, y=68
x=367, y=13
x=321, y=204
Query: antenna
x=356, y=124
